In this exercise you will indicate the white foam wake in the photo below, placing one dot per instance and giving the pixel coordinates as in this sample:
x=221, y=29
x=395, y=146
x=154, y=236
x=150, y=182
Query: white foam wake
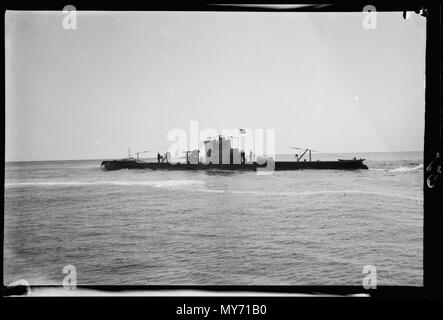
x=399, y=169
x=406, y=169
x=312, y=193
x=156, y=184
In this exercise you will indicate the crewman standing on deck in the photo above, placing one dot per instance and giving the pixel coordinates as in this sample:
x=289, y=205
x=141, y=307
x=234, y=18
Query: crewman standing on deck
x=158, y=157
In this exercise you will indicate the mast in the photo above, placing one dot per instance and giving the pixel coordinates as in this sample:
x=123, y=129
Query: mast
x=302, y=155
x=220, y=158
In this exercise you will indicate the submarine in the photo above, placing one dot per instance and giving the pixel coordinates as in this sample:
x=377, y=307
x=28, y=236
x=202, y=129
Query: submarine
x=219, y=155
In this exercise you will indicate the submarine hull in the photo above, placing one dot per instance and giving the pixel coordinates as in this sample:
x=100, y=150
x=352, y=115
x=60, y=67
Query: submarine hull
x=278, y=165
x=326, y=165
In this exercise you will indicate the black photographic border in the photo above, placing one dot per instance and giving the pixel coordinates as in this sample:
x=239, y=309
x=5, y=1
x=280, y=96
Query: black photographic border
x=432, y=236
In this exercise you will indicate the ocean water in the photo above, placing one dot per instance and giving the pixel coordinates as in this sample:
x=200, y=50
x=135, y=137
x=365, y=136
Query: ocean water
x=141, y=227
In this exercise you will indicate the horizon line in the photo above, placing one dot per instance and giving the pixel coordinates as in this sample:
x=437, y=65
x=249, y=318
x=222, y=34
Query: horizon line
x=102, y=159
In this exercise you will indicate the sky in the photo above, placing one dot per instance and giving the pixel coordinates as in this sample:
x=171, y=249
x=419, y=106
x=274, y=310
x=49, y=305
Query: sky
x=125, y=79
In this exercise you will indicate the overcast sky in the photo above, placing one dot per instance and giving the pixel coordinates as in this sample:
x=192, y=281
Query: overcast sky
x=125, y=79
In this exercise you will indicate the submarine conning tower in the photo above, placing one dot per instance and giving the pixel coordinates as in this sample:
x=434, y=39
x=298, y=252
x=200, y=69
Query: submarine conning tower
x=220, y=151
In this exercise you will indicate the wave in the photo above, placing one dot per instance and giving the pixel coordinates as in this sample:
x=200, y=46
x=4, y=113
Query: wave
x=156, y=184
x=180, y=183
x=399, y=169
x=312, y=193
x=406, y=169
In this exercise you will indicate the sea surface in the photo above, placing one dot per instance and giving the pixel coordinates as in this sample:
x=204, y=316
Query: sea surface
x=142, y=227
